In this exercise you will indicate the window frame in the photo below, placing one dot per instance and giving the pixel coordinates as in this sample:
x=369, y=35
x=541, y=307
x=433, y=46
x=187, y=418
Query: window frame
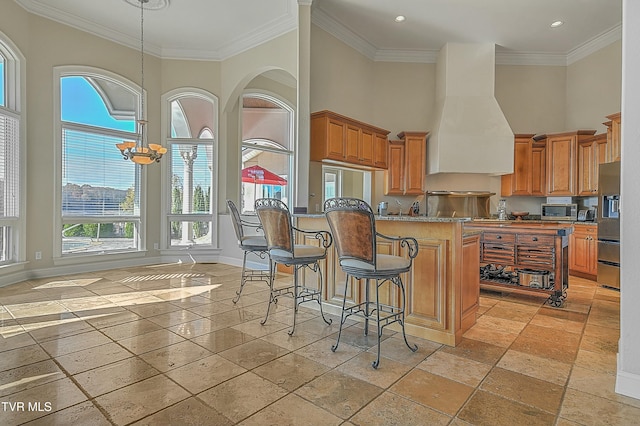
x=141, y=173
x=15, y=97
x=252, y=143
x=169, y=142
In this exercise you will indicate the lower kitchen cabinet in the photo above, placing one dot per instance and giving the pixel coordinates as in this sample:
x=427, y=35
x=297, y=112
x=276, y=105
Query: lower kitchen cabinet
x=583, y=251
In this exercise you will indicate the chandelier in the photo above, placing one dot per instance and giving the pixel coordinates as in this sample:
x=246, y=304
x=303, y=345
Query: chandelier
x=140, y=151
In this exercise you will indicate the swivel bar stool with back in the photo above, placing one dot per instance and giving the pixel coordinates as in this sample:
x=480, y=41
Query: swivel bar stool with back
x=256, y=244
x=353, y=226
x=279, y=232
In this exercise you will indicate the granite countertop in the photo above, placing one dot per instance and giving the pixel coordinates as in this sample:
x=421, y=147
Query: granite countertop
x=403, y=218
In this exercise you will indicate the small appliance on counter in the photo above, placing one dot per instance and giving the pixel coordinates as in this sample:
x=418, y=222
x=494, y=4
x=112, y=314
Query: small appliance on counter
x=502, y=209
x=586, y=215
x=559, y=212
x=383, y=208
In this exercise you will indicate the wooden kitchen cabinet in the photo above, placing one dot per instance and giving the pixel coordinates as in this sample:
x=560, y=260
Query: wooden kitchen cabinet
x=394, y=176
x=562, y=162
x=407, y=164
x=583, y=251
x=339, y=139
x=529, y=164
x=591, y=153
x=613, y=137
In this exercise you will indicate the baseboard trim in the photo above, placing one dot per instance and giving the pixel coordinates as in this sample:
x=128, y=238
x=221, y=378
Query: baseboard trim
x=628, y=384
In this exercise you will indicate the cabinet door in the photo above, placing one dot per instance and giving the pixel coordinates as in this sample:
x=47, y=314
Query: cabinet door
x=394, y=175
x=366, y=147
x=593, y=252
x=380, y=150
x=352, y=143
x=521, y=178
x=579, y=250
x=561, y=158
x=538, y=169
x=335, y=140
x=614, y=137
x=415, y=164
x=586, y=168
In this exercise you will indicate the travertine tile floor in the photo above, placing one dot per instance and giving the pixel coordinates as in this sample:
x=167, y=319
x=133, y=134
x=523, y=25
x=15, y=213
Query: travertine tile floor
x=165, y=345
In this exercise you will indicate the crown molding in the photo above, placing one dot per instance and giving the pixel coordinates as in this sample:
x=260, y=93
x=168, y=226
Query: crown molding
x=268, y=32
x=595, y=44
x=531, y=58
x=342, y=33
x=335, y=28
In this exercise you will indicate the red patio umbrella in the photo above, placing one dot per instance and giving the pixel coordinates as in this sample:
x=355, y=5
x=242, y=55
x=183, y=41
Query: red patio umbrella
x=257, y=174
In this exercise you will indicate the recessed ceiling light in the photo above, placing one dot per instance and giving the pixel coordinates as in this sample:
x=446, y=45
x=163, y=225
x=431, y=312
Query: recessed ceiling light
x=400, y=18
x=556, y=24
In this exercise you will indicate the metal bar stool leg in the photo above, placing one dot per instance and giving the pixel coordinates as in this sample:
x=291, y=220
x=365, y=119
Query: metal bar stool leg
x=243, y=279
x=403, y=304
x=296, y=269
x=317, y=268
x=376, y=363
x=272, y=299
x=366, y=306
x=343, y=318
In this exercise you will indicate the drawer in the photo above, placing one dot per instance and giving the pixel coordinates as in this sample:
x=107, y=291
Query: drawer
x=502, y=254
x=543, y=240
x=586, y=229
x=536, y=257
x=498, y=237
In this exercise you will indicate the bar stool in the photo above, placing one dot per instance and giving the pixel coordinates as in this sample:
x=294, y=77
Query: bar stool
x=255, y=244
x=353, y=227
x=279, y=232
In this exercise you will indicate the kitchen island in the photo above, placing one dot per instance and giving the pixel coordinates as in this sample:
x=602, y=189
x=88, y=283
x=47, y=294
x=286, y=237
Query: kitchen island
x=442, y=288
x=529, y=257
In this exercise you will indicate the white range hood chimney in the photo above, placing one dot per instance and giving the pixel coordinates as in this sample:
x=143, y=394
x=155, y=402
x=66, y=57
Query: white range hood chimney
x=471, y=134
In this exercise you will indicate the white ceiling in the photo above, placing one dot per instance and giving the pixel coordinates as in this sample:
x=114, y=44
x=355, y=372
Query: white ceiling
x=218, y=29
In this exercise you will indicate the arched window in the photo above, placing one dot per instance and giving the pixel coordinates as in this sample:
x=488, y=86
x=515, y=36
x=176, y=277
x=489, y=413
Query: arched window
x=267, y=150
x=12, y=224
x=191, y=192
x=100, y=193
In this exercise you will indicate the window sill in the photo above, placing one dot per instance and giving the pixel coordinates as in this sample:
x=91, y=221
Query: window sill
x=97, y=257
x=11, y=268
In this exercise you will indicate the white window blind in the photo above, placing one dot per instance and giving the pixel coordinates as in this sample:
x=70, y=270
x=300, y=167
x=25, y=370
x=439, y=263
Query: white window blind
x=9, y=165
x=96, y=181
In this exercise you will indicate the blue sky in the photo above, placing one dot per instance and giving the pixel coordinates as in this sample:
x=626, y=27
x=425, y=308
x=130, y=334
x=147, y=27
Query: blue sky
x=80, y=103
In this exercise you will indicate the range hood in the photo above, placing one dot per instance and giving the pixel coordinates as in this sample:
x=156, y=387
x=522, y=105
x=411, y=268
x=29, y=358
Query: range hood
x=471, y=134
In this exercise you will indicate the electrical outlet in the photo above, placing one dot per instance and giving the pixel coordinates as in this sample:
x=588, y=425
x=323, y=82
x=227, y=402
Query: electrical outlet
x=156, y=246
x=317, y=207
x=38, y=255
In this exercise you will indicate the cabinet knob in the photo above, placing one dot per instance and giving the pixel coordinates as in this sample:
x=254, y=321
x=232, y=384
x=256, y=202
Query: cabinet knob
x=498, y=237
x=534, y=239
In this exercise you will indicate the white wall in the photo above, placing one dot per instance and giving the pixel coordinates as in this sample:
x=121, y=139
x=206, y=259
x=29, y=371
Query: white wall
x=628, y=378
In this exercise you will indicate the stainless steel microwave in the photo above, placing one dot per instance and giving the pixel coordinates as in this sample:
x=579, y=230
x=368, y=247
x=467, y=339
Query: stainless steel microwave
x=559, y=212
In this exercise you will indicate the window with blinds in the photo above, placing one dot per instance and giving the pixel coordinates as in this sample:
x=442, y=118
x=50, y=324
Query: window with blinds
x=11, y=222
x=100, y=194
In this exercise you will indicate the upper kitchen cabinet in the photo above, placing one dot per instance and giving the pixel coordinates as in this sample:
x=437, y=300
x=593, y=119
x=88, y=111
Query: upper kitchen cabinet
x=407, y=164
x=529, y=168
x=562, y=162
x=613, y=137
x=591, y=153
x=339, y=139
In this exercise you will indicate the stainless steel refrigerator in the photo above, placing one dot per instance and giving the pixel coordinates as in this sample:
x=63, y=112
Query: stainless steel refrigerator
x=609, y=225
